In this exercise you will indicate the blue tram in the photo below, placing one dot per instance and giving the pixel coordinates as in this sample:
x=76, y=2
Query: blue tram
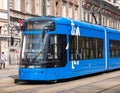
x=56, y=48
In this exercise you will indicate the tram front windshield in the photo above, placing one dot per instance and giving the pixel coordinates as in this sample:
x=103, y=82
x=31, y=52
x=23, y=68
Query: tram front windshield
x=43, y=52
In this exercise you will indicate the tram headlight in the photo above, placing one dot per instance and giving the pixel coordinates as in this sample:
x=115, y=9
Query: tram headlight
x=38, y=66
x=21, y=66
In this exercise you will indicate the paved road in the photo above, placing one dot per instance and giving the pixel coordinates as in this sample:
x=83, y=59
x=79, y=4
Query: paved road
x=8, y=74
x=103, y=83
x=9, y=71
x=115, y=89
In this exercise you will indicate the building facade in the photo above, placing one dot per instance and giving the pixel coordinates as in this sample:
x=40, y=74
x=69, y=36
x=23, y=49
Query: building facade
x=101, y=12
x=65, y=8
x=3, y=28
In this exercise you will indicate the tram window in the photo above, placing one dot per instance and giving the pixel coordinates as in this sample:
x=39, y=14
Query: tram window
x=29, y=26
x=114, y=48
x=56, y=50
x=85, y=48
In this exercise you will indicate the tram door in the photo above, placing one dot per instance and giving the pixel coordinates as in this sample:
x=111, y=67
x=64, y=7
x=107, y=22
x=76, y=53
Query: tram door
x=58, y=54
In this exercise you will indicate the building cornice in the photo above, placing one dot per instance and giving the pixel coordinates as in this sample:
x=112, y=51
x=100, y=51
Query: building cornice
x=20, y=14
x=105, y=5
x=3, y=20
x=4, y=11
x=107, y=8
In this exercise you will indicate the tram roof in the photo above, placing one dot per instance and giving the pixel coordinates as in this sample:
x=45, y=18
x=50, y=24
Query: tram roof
x=111, y=30
x=67, y=21
x=62, y=20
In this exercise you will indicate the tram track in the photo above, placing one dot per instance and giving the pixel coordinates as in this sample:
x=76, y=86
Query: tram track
x=107, y=89
x=96, y=84
x=96, y=87
x=73, y=84
x=80, y=86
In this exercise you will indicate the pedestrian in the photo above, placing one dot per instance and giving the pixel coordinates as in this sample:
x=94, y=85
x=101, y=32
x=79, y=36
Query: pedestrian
x=3, y=60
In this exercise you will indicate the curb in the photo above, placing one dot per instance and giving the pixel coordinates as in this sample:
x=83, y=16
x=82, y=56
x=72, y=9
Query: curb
x=9, y=80
x=6, y=80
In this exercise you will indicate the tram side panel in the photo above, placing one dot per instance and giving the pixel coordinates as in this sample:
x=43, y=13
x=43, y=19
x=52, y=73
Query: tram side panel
x=114, y=49
x=92, y=60
x=61, y=71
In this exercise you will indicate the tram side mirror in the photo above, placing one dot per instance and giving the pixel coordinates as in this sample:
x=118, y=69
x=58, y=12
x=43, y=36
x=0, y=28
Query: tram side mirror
x=43, y=34
x=52, y=26
x=46, y=28
x=12, y=41
x=49, y=27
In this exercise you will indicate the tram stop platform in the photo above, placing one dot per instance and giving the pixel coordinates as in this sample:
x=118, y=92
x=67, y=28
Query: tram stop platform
x=9, y=74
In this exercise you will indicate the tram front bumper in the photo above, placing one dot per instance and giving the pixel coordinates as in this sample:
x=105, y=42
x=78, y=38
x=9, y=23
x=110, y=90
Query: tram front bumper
x=32, y=74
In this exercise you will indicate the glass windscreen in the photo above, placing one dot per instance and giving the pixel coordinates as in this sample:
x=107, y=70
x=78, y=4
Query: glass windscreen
x=33, y=44
x=43, y=52
x=36, y=25
x=39, y=25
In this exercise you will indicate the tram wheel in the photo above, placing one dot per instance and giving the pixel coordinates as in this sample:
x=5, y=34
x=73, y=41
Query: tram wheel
x=53, y=81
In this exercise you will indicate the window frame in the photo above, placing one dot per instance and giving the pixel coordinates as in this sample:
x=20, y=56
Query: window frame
x=91, y=48
x=114, y=48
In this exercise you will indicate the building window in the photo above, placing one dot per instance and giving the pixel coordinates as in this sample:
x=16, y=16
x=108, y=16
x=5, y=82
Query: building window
x=118, y=25
x=70, y=10
x=64, y=9
x=104, y=21
x=76, y=13
x=0, y=29
x=85, y=16
x=3, y=4
x=17, y=5
x=109, y=0
x=112, y=23
x=107, y=22
x=37, y=7
x=90, y=18
x=57, y=8
x=98, y=19
x=48, y=7
x=28, y=6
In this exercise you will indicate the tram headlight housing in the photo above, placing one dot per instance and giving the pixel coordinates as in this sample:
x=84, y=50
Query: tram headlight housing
x=21, y=66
